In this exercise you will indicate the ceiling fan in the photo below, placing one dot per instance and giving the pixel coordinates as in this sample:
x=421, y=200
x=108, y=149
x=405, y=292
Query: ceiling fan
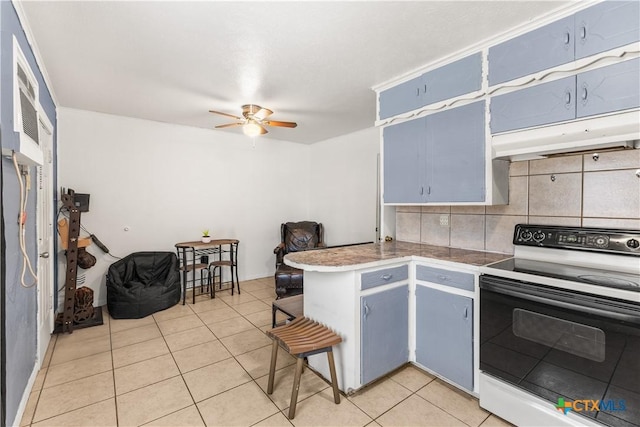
x=253, y=120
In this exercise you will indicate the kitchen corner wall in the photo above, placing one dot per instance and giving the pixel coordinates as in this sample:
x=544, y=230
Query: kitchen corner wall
x=572, y=190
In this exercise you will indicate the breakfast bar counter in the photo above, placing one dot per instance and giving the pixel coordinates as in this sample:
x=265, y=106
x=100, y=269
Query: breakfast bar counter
x=373, y=296
x=375, y=254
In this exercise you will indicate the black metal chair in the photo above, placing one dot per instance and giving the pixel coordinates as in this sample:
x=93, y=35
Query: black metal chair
x=232, y=263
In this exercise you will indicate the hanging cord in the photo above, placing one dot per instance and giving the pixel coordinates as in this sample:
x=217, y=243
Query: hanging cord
x=91, y=235
x=24, y=197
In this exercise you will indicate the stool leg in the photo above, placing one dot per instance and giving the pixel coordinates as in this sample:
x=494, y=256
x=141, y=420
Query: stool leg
x=296, y=387
x=272, y=368
x=334, y=379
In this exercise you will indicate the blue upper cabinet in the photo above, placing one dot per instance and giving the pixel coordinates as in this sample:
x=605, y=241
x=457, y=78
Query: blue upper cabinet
x=605, y=26
x=399, y=99
x=440, y=158
x=451, y=80
x=455, y=153
x=402, y=150
x=455, y=79
x=537, y=50
x=597, y=29
x=607, y=89
x=539, y=105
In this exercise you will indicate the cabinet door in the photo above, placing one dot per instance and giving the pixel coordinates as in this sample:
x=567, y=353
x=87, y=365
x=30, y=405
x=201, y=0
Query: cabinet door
x=612, y=88
x=455, y=79
x=605, y=26
x=384, y=332
x=399, y=99
x=455, y=153
x=401, y=149
x=444, y=334
x=537, y=50
x=539, y=105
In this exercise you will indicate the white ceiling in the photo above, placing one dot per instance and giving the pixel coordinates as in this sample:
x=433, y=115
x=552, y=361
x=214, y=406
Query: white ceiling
x=311, y=62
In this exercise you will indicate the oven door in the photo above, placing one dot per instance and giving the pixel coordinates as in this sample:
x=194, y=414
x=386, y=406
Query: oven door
x=580, y=352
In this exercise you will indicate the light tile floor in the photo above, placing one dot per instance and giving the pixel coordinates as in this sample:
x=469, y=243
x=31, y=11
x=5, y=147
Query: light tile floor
x=207, y=364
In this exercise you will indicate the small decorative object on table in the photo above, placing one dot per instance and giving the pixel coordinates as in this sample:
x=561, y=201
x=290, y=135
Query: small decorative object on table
x=205, y=236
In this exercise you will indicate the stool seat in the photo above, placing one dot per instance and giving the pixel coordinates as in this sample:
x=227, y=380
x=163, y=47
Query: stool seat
x=301, y=338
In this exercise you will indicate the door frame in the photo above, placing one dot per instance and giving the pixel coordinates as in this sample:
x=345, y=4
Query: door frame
x=45, y=294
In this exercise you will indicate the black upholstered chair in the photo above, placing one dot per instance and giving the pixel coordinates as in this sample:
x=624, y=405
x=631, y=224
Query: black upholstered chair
x=295, y=237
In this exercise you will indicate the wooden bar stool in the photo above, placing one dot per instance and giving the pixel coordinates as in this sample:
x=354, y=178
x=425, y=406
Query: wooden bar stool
x=301, y=338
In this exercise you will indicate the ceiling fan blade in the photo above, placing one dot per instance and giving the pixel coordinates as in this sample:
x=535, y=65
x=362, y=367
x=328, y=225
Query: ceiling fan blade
x=279, y=124
x=263, y=130
x=262, y=113
x=225, y=114
x=229, y=125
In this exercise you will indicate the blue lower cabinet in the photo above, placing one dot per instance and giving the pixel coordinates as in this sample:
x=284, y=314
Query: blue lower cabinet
x=444, y=334
x=384, y=332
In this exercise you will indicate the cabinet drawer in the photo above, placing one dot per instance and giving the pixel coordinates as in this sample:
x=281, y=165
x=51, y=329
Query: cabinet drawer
x=382, y=277
x=454, y=279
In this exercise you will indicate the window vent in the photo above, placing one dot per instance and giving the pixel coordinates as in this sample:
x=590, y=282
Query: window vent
x=26, y=111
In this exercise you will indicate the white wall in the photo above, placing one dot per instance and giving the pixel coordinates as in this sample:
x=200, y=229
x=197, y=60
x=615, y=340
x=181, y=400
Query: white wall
x=168, y=182
x=343, y=186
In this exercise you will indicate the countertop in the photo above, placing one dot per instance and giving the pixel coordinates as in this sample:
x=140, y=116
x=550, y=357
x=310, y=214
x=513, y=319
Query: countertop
x=362, y=256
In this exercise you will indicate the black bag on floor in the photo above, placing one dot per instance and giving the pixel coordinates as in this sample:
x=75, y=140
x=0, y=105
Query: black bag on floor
x=143, y=283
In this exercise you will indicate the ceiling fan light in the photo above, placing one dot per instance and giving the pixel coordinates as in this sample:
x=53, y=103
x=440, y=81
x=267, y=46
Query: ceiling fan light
x=251, y=129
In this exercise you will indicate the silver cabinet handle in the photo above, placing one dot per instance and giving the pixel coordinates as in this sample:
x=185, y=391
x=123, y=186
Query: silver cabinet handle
x=466, y=312
x=567, y=97
x=443, y=277
x=585, y=94
x=417, y=91
x=366, y=310
x=421, y=191
x=583, y=32
x=386, y=276
x=44, y=255
x=567, y=37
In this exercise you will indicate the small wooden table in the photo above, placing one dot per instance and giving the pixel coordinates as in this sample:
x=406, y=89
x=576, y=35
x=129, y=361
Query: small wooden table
x=190, y=253
x=291, y=306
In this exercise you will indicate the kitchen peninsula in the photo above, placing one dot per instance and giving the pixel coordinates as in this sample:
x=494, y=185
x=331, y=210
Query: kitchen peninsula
x=393, y=303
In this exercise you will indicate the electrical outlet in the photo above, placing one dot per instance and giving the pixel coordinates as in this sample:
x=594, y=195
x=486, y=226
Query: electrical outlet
x=444, y=220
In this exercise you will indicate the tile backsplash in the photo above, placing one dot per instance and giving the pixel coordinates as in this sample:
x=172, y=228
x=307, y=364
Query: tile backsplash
x=573, y=190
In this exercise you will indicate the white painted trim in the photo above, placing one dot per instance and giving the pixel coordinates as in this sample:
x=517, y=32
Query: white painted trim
x=24, y=22
x=26, y=394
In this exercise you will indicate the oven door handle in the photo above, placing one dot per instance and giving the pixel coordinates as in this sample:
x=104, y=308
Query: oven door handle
x=590, y=304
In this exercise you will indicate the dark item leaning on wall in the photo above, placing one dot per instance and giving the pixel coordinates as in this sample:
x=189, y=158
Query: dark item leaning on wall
x=85, y=259
x=66, y=322
x=143, y=283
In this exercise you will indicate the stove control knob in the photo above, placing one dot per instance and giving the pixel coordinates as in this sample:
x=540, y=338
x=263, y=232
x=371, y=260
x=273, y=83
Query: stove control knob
x=633, y=244
x=538, y=236
x=526, y=235
x=601, y=241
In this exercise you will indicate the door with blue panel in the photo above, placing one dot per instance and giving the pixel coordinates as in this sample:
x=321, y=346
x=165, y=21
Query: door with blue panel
x=399, y=99
x=539, y=105
x=607, y=89
x=384, y=332
x=537, y=50
x=444, y=334
x=455, y=154
x=401, y=150
x=455, y=79
x=605, y=26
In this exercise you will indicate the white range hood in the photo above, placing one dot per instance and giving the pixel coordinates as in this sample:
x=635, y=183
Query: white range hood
x=617, y=130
